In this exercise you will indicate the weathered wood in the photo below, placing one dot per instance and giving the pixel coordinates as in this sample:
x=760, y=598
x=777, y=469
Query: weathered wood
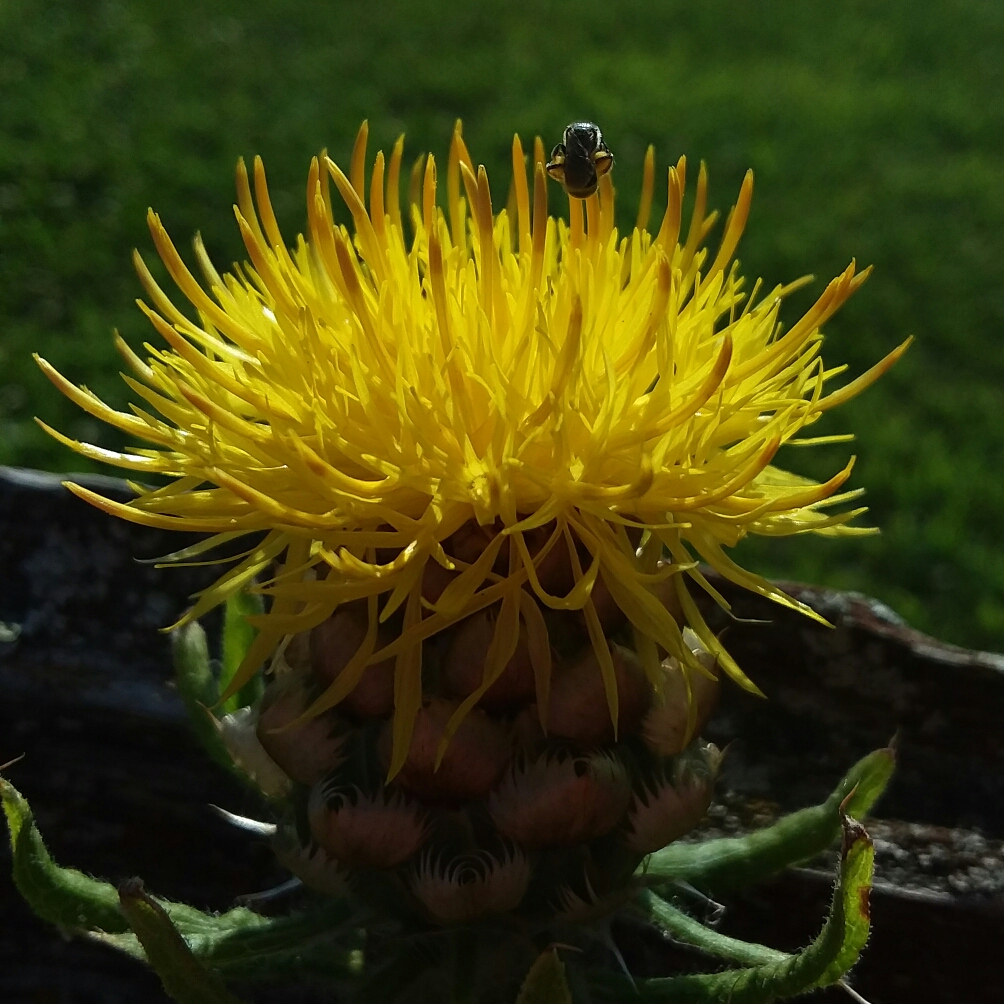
x=836, y=693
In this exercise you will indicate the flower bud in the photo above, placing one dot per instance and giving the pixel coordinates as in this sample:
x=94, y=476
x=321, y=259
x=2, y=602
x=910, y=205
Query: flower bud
x=668, y=596
x=578, y=706
x=471, y=885
x=332, y=645
x=554, y=569
x=474, y=759
x=464, y=664
x=297, y=653
x=664, y=728
x=610, y=615
x=313, y=866
x=526, y=734
x=612, y=618
x=469, y=541
x=466, y=545
x=378, y=831
x=435, y=579
x=238, y=734
x=308, y=751
x=557, y=801
x=667, y=809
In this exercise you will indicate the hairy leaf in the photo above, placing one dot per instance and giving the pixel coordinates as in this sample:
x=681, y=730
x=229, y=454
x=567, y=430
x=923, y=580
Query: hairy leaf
x=857, y=862
x=184, y=977
x=779, y=976
x=62, y=896
x=681, y=926
x=735, y=862
x=316, y=940
x=77, y=902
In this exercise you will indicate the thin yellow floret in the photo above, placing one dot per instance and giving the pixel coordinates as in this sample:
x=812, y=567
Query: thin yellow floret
x=356, y=399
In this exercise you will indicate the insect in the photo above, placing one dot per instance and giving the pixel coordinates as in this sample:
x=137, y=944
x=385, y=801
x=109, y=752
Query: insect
x=580, y=159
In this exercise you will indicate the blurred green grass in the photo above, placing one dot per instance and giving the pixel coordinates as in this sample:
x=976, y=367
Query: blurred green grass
x=875, y=129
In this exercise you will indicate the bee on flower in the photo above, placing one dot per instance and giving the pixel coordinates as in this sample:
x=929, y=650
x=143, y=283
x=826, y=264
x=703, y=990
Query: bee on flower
x=580, y=159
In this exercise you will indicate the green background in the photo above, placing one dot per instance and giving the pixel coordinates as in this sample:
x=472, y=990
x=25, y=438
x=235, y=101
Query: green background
x=875, y=129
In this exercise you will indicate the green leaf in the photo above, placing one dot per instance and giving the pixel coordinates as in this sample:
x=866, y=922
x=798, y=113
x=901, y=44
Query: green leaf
x=77, y=902
x=853, y=888
x=545, y=983
x=858, y=861
x=61, y=896
x=237, y=637
x=682, y=927
x=239, y=941
x=308, y=940
x=824, y=962
x=322, y=940
x=184, y=977
x=735, y=862
x=198, y=688
x=196, y=682
x=307, y=944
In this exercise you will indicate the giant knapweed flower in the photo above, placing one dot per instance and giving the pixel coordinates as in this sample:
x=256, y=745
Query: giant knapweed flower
x=478, y=456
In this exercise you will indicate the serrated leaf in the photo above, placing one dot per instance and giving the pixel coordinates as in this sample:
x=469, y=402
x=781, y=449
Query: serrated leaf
x=735, y=862
x=238, y=634
x=546, y=983
x=183, y=976
x=780, y=976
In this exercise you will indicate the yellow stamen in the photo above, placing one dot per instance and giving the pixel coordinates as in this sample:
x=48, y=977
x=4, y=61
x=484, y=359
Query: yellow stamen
x=522, y=194
x=393, y=199
x=647, y=189
x=357, y=163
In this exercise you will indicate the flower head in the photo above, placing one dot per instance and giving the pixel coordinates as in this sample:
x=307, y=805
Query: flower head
x=588, y=402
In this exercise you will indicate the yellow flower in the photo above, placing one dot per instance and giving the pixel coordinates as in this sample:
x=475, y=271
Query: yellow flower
x=357, y=399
